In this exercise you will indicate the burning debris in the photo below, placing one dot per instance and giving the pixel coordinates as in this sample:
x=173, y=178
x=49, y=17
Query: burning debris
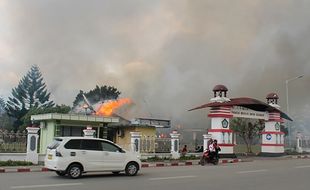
x=104, y=108
x=108, y=107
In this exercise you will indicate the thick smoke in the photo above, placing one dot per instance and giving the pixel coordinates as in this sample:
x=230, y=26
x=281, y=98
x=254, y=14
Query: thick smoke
x=167, y=55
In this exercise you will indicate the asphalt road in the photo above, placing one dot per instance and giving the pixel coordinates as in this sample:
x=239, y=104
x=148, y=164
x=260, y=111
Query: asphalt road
x=260, y=174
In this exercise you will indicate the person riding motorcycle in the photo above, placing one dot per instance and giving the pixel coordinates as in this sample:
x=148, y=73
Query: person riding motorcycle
x=217, y=148
x=211, y=154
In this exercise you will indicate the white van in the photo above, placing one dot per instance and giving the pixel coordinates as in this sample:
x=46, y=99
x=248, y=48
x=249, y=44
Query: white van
x=77, y=155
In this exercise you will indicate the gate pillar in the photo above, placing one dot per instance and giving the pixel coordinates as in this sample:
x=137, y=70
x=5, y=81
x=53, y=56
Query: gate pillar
x=89, y=132
x=175, y=145
x=206, y=138
x=220, y=116
x=32, y=145
x=272, y=137
x=220, y=130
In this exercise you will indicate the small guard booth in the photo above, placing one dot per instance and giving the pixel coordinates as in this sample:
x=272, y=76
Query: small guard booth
x=59, y=125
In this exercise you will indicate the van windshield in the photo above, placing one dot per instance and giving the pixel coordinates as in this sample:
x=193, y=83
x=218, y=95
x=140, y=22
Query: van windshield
x=56, y=142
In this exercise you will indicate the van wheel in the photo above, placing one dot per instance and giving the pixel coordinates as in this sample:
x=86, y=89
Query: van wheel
x=131, y=169
x=61, y=173
x=75, y=171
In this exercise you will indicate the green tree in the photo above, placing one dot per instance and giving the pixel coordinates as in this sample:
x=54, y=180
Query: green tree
x=97, y=94
x=247, y=129
x=5, y=120
x=284, y=129
x=2, y=105
x=30, y=93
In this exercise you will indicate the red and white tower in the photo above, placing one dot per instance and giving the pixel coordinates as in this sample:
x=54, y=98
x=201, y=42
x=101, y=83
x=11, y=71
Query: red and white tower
x=272, y=137
x=220, y=116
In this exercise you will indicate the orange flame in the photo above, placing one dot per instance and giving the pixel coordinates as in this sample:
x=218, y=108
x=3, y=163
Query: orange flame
x=108, y=108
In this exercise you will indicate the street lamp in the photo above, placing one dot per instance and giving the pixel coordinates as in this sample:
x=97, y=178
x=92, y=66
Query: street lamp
x=287, y=105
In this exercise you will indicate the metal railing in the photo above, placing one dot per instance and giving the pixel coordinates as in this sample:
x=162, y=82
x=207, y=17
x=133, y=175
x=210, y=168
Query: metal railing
x=13, y=142
x=152, y=144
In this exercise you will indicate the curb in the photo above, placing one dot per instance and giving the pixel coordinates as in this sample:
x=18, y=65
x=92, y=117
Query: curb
x=22, y=169
x=301, y=156
x=187, y=163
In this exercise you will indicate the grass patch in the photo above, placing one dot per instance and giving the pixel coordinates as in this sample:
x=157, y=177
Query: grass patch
x=240, y=148
x=161, y=159
x=15, y=163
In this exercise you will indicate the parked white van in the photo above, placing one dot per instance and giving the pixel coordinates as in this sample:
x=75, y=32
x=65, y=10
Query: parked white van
x=77, y=155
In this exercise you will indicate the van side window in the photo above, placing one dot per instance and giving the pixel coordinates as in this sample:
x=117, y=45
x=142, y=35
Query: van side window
x=56, y=142
x=91, y=145
x=109, y=147
x=73, y=144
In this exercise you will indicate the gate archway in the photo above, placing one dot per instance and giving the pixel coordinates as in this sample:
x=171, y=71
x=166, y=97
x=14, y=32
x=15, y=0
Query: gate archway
x=222, y=109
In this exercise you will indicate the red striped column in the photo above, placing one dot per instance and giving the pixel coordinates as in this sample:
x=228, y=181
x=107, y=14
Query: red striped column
x=220, y=131
x=272, y=137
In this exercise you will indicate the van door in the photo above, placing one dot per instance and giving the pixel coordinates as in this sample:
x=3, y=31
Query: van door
x=92, y=154
x=114, y=157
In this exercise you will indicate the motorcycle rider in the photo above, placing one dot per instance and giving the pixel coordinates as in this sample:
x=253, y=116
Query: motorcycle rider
x=217, y=148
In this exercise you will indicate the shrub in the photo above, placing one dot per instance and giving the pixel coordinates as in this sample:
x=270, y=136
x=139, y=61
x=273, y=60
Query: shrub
x=15, y=163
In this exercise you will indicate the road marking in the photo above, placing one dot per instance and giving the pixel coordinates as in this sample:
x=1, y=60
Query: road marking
x=39, y=186
x=176, y=177
x=308, y=166
x=252, y=171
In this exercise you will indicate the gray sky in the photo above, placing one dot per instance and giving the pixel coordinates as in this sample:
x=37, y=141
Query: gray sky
x=165, y=55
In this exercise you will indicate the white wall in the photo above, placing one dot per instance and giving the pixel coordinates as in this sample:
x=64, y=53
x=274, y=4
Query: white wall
x=12, y=156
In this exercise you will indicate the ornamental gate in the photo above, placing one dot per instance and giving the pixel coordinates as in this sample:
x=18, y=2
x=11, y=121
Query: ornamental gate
x=223, y=109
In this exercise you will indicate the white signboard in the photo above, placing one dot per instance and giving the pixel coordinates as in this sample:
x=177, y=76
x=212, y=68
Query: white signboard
x=243, y=112
x=158, y=123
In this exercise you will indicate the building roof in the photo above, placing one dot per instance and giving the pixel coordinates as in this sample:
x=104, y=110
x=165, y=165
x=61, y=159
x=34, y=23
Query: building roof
x=272, y=96
x=74, y=117
x=249, y=103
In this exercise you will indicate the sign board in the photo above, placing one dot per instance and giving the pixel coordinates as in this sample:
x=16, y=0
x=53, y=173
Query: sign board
x=158, y=123
x=243, y=112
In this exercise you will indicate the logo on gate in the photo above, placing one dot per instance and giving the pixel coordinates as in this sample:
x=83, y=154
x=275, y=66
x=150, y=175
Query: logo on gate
x=225, y=123
x=268, y=137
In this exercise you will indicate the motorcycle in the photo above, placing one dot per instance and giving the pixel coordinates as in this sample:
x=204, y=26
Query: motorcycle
x=209, y=158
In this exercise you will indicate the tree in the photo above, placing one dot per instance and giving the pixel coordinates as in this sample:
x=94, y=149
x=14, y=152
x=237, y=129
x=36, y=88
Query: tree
x=247, y=129
x=30, y=93
x=284, y=129
x=2, y=105
x=98, y=94
x=5, y=120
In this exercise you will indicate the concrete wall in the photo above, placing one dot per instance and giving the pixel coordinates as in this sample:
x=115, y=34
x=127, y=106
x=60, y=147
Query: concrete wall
x=126, y=139
x=12, y=156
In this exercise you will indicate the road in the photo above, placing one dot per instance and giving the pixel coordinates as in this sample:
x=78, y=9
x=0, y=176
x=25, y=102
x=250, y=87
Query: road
x=260, y=174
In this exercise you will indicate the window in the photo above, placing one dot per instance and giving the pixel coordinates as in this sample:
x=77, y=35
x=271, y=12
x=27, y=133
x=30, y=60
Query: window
x=106, y=146
x=54, y=144
x=91, y=145
x=73, y=144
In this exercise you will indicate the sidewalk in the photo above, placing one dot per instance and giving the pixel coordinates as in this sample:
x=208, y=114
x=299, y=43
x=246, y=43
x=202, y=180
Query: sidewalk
x=39, y=168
